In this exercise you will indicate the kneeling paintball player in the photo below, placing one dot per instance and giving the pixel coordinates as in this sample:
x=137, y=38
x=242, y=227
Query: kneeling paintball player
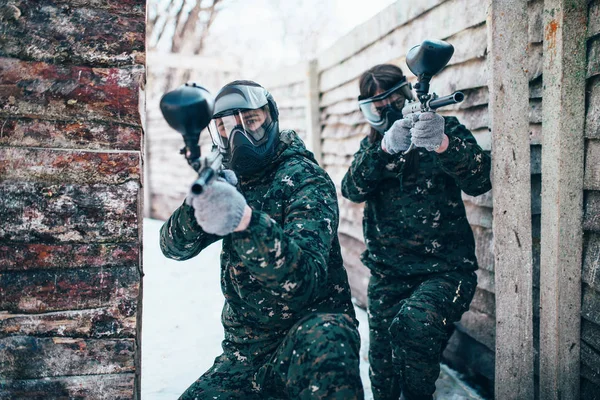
x=290, y=327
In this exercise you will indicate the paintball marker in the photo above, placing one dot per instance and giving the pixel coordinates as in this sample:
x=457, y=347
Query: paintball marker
x=189, y=109
x=425, y=60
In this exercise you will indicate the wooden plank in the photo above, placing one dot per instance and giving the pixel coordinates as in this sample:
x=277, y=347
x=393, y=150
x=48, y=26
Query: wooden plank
x=484, y=246
x=591, y=358
x=480, y=327
x=591, y=260
x=589, y=390
x=562, y=198
x=592, y=120
x=313, y=123
x=107, y=322
x=28, y=256
x=591, y=179
x=485, y=280
x=74, y=34
x=69, y=93
x=100, y=387
x=25, y=132
x=535, y=9
x=509, y=98
x=590, y=333
x=593, y=18
x=53, y=167
x=591, y=213
x=464, y=353
x=479, y=216
x=590, y=304
x=27, y=357
x=483, y=200
x=484, y=301
x=43, y=291
x=593, y=57
x=59, y=214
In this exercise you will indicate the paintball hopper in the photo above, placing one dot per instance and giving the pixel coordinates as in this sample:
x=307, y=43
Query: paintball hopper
x=427, y=59
x=188, y=109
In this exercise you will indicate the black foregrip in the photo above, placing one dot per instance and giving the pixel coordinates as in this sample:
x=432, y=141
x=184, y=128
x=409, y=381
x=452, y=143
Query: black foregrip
x=204, y=178
x=453, y=98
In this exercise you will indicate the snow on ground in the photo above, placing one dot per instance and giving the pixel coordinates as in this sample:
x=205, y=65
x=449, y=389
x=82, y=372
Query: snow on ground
x=182, y=332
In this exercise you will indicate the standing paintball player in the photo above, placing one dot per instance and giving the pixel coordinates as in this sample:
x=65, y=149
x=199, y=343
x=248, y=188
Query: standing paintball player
x=290, y=328
x=420, y=247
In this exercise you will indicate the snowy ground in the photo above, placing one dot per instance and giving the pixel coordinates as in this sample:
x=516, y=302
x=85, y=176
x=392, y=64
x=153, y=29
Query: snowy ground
x=182, y=331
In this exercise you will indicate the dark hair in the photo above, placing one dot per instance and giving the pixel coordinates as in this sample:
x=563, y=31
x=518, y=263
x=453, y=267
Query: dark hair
x=381, y=77
x=384, y=77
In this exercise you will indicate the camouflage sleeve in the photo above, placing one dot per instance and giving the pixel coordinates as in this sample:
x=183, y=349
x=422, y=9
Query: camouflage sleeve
x=464, y=160
x=181, y=237
x=367, y=169
x=291, y=260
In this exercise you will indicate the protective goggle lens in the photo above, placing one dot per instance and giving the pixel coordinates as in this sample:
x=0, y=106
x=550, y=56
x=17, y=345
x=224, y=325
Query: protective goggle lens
x=375, y=108
x=251, y=123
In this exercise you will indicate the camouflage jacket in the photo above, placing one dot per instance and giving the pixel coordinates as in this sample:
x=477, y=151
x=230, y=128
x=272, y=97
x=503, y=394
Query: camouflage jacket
x=414, y=218
x=287, y=264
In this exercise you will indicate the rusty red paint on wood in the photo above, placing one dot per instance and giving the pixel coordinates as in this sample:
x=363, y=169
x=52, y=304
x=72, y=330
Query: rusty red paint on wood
x=79, y=289
x=64, y=166
x=89, y=135
x=26, y=256
x=107, y=322
x=67, y=93
x=68, y=213
x=114, y=387
x=26, y=357
x=67, y=33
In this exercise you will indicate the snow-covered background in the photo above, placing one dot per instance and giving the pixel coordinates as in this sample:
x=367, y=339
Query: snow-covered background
x=182, y=331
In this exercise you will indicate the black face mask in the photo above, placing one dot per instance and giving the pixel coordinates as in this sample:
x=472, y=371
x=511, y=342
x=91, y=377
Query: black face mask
x=389, y=114
x=246, y=158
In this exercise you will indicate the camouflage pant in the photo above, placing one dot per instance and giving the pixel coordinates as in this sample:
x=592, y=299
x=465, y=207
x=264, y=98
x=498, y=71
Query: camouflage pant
x=410, y=322
x=318, y=359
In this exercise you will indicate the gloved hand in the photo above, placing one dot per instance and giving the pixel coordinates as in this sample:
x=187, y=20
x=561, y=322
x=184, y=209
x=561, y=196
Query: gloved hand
x=428, y=131
x=397, y=138
x=220, y=207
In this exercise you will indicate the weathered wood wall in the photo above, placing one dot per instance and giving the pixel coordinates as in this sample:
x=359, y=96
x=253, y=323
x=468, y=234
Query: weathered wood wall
x=590, y=307
x=71, y=85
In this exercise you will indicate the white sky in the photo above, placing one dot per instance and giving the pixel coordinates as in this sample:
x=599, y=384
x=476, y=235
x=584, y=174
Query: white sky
x=255, y=28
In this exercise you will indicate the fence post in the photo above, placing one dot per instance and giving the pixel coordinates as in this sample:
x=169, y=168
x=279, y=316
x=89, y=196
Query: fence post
x=313, y=111
x=509, y=108
x=563, y=119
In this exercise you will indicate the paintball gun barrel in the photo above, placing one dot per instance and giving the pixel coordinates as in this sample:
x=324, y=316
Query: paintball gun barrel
x=189, y=109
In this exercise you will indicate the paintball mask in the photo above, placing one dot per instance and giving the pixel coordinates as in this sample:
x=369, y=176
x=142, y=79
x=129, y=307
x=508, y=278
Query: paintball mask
x=382, y=110
x=245, y=127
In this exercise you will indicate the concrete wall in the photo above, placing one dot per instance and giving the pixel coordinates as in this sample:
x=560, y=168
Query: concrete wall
x=71, y=93
x=590, y=307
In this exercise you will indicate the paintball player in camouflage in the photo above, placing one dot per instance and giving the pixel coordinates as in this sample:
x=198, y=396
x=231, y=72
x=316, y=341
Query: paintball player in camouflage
x=290, y=327
x=420, y=247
